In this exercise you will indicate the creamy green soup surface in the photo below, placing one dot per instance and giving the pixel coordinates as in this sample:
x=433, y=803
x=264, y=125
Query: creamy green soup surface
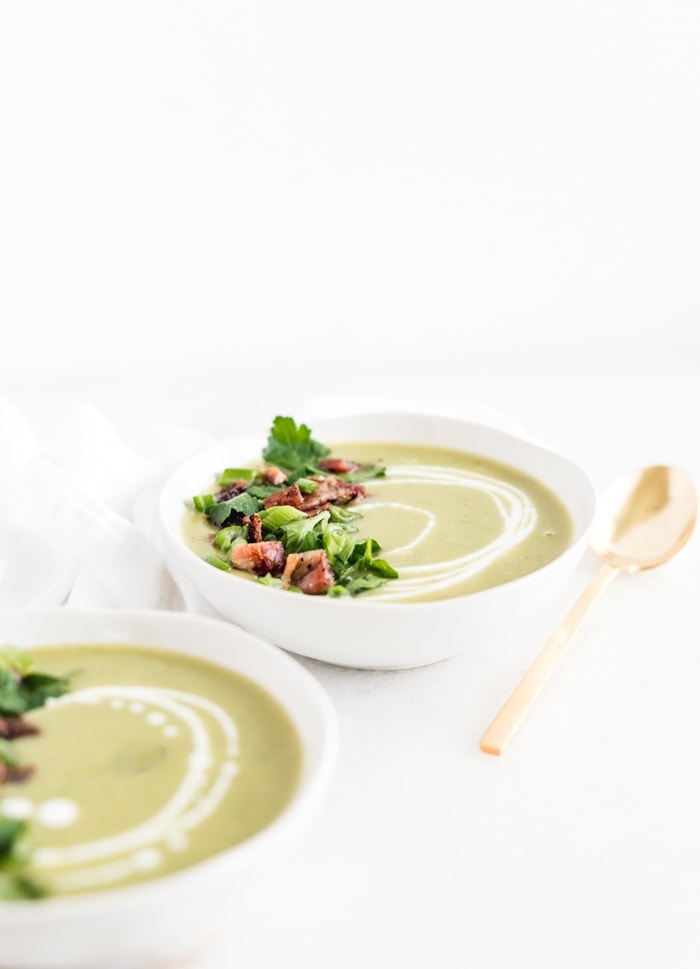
x=152, y=761
x=449, y=522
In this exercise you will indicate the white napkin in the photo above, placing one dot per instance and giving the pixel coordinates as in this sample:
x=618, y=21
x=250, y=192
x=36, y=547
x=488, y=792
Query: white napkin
x=78, y=513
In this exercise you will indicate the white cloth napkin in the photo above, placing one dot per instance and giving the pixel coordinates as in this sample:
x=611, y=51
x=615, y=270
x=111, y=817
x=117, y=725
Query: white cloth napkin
x=78, y=520
x=78, y=513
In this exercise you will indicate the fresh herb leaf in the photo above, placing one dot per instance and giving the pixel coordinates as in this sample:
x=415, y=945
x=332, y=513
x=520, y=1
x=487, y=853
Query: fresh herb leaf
x=37, y=688
x=357, y=582
x=365, y=558
x=18, y=695
x=291, y=446
x=22, y=690
x=11, y=703
x=362, y=570
x=15, y=660
x=243, y=504
x=304, y=534
x=262, y=490
x=14, y=851
x=11, y=830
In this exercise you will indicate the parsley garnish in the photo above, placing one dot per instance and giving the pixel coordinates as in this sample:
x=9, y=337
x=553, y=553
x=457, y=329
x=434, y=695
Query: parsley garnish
x=291, y=448
x=15, y=886
x=225, y=512
x=21, y=689
x=10, y=830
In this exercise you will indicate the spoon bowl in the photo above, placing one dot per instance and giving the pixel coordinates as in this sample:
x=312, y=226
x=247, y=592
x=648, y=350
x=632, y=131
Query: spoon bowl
x=644, y=518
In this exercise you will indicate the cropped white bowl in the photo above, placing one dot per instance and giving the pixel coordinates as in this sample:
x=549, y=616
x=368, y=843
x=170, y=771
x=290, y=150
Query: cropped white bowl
x=360, y=632
x=168, y=917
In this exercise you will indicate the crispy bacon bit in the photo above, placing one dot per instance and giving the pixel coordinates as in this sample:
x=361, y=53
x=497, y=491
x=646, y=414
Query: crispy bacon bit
x=232, y=490
x=262, y=558
x=338, y=465
x=11, y=727
x=331, y=491
x=308, y=571
x=288, y=496
x=14, y=775
x=274, y=476
x=254, y=527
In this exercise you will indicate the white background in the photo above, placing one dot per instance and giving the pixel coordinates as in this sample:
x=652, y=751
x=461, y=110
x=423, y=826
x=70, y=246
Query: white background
x=213, y=212
x=345, y=183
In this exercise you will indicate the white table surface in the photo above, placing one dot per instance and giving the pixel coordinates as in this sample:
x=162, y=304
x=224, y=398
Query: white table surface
x=580, y=845
x=219, y=210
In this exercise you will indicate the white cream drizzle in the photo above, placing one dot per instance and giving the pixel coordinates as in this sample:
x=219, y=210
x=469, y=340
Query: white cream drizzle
x=516, y=510
x=204, y=784
x=57, y=812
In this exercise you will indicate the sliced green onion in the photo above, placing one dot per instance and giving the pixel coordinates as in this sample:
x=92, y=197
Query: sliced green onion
x=229, y=475
x=339, y=513
x=226, y=537
x=203, y=502
x=217, y=562
x=306, y=485
x=279, y=515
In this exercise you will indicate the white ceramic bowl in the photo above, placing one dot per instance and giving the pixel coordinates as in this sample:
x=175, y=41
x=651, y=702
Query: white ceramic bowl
x=168, y=917
x=359, y=632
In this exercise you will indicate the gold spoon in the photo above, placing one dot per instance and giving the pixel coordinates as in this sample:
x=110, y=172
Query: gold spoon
x=644, y=518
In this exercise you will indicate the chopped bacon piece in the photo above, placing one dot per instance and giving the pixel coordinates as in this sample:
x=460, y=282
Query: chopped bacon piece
x=262, y=558
x=232, y=490
x=11, y=727
x=333, y=491
x=274, y=476
x=254, y=527
x=309, y=571
x=288, y=496
x=14, y=775
x=338, y=465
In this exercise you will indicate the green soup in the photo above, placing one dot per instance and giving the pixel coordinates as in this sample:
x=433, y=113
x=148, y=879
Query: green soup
x=452, y=523
x=152, y=762
x=448, y=521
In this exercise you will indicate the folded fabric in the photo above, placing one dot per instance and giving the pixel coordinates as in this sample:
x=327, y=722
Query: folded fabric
x=69, y=532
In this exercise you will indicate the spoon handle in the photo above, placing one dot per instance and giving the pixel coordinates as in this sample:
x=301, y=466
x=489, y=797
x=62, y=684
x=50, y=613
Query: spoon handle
x=512, y=713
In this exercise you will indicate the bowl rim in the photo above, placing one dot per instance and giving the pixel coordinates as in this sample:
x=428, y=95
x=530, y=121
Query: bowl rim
x=305, y=799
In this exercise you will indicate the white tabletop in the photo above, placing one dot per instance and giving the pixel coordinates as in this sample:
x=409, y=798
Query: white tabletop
x=219, y=212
